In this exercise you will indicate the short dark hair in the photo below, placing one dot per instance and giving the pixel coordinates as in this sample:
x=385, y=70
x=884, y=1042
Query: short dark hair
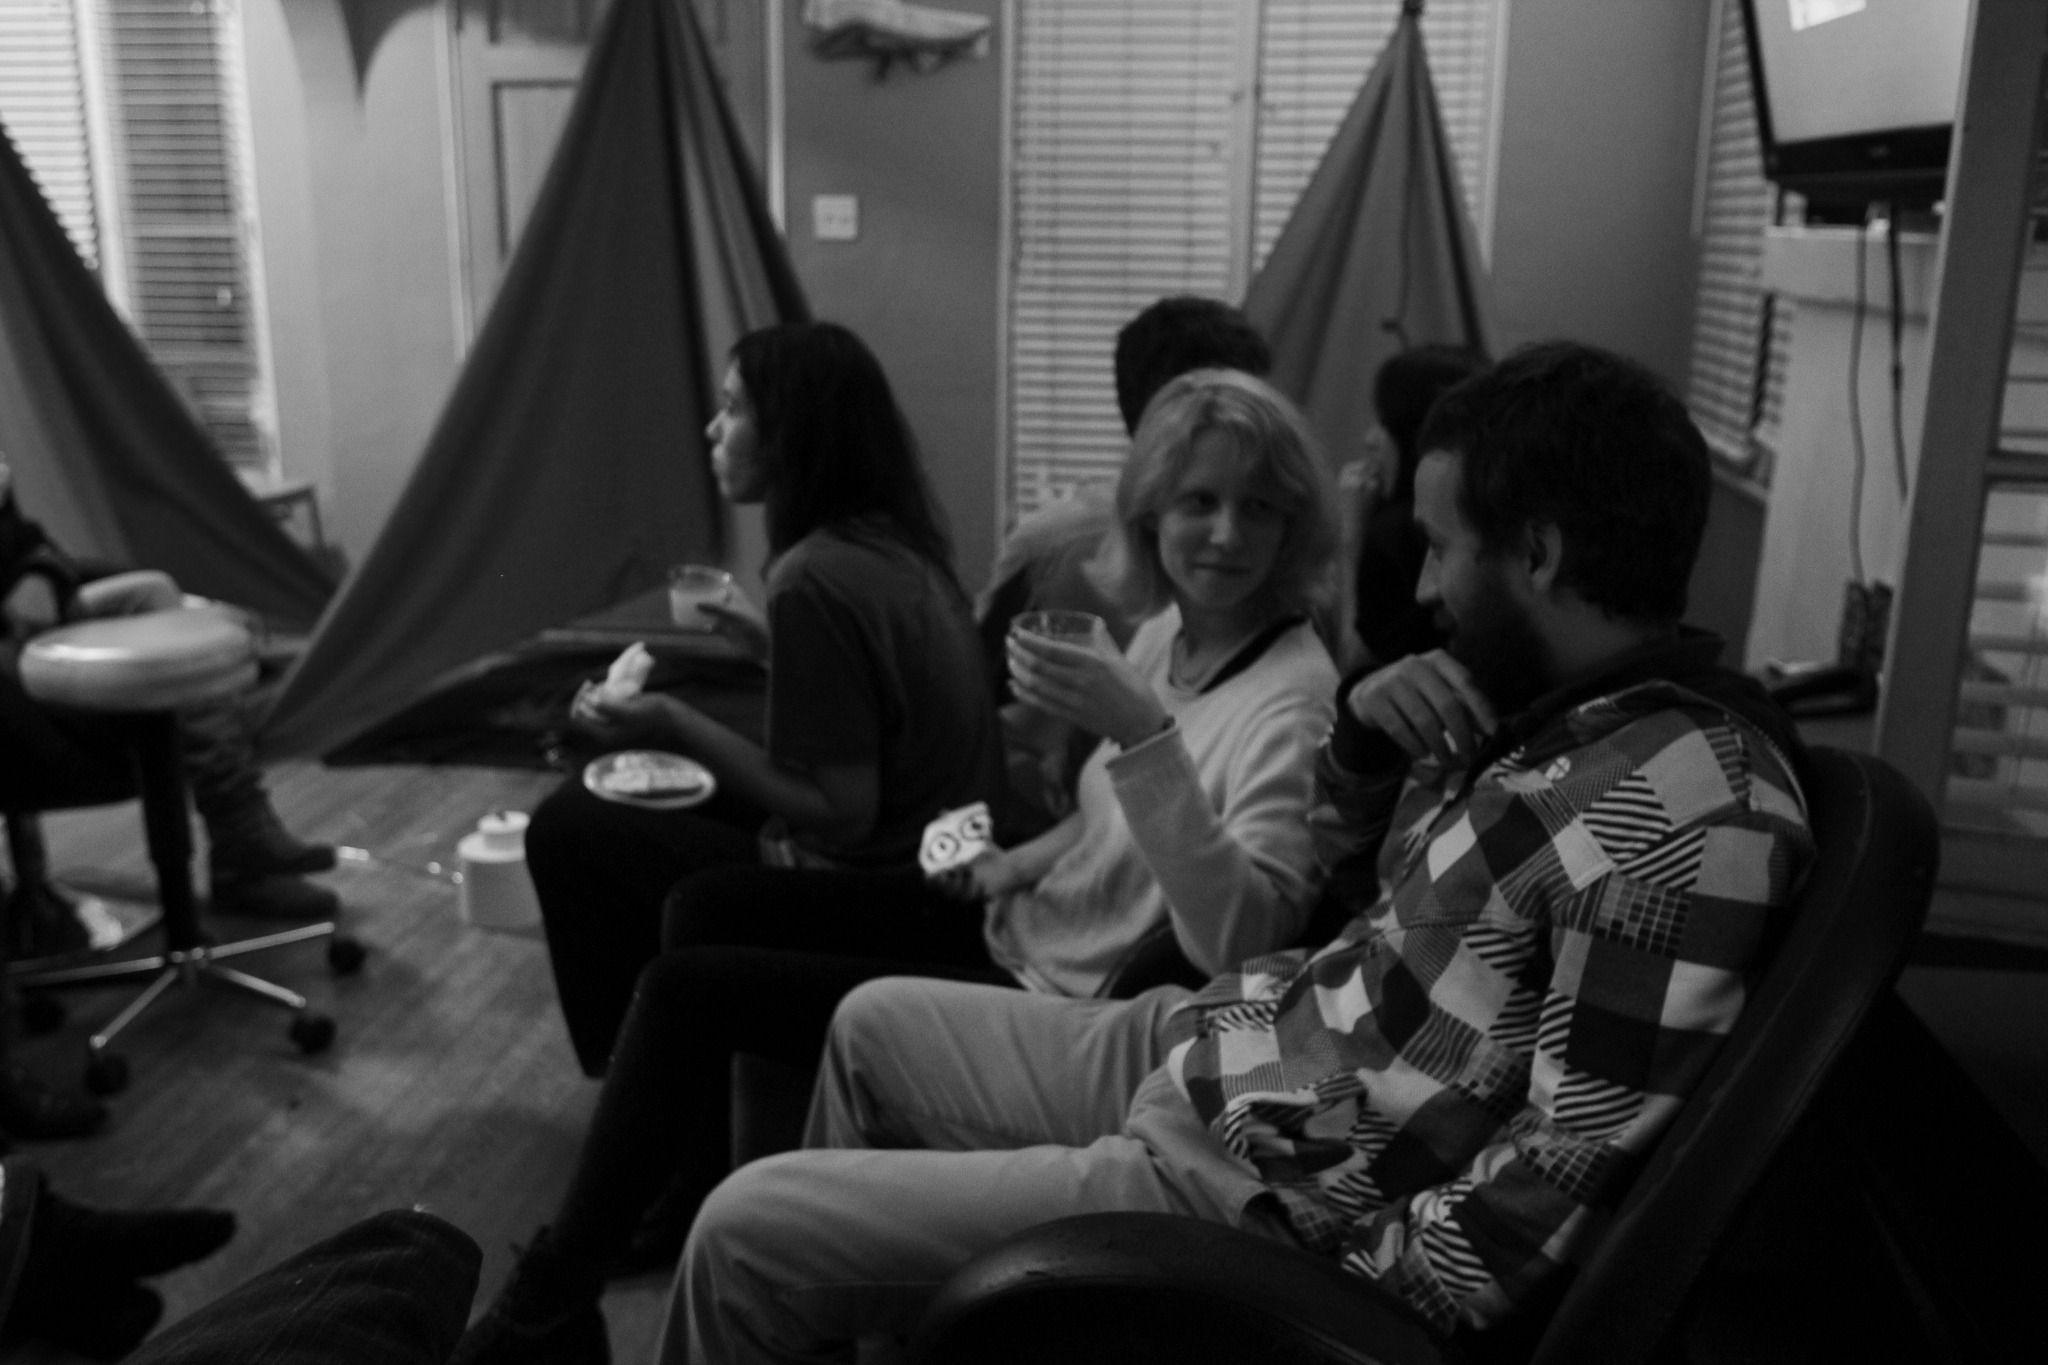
x=838, y=449
x=1596, y=445
x=1174, y=335
x=1408, y=384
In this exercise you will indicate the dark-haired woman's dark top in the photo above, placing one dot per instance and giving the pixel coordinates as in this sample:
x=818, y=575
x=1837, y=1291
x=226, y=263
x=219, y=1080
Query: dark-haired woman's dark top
x=1391, y=624
x=873, y=659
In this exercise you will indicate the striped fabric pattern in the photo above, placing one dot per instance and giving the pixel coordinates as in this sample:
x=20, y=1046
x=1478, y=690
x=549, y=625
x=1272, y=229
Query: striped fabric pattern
x=1451, y=1094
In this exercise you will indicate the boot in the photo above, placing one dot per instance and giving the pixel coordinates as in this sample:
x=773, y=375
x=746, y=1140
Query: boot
x=243, y=834
x=34, y=1111
x=546, y=1314
x=269, y=895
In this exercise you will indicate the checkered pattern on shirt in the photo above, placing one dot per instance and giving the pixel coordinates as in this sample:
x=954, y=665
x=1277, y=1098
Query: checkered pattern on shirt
x=1451, y=1094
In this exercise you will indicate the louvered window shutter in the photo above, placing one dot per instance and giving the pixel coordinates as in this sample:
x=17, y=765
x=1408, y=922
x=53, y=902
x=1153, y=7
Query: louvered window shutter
x=1121, y=163
x=1136, y=172
x=172, y=84
x=1736, y=371
x=42, y=104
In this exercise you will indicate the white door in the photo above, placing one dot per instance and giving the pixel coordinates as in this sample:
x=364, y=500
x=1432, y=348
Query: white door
x=516, y=63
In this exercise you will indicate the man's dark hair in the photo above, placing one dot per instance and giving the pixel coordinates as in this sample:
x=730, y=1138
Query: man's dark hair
x=1596, y=445
x=1178, y=334
x=1408, y=384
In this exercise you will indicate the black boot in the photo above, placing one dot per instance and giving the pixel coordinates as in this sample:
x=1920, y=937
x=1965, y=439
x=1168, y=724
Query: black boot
x=31, y=1110
x=546, y=1314
x=270, y=896
x=243, y=834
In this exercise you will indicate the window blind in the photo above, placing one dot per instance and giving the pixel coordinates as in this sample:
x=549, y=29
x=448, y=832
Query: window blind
x=1135, y=172
x=172, y=72
x=1120, y=190
x=42, y=104
x=1735, y=373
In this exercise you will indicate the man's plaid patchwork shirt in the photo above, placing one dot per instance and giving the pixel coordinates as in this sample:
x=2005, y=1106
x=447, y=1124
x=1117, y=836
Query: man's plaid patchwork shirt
x=1452, y=1094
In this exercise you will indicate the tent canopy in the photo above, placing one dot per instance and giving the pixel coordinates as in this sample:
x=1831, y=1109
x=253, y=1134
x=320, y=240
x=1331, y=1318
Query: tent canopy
x=569, y=467
x=105, y=454
x=1379, y=254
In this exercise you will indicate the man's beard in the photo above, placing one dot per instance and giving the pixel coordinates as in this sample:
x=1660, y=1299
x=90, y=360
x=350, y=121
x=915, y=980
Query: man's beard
x=1508, y=660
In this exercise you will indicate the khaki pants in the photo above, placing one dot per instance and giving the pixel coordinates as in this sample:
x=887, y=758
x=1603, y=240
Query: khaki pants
x=1018, y=1108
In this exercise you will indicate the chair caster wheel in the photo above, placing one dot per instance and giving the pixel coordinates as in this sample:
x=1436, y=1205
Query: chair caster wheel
x=106, y=1073
x=42, y=1013
x=312, y=1033
x=345, y=955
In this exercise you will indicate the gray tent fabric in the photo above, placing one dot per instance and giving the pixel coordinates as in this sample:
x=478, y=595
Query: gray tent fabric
x=105, y=454
x=1379, y=254
x=569, y=467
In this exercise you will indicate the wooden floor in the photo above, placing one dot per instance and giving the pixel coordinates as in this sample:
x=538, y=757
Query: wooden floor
x=450, y=1084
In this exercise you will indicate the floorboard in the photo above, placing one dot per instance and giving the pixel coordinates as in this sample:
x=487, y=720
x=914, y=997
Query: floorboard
x=450, y=1083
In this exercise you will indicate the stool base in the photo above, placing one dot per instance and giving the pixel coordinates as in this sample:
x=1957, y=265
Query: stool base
x=311, y=1032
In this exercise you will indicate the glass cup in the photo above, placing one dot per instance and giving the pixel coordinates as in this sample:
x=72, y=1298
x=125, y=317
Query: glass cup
x=1072, y=627
x=690, y=586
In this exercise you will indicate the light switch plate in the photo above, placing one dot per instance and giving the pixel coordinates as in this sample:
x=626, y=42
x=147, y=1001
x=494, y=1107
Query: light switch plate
x=835, y=217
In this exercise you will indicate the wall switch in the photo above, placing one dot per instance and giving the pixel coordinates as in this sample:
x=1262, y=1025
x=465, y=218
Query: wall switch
x=835, y=217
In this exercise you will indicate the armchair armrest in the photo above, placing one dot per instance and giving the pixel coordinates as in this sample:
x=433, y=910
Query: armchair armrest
x=1135, y=1288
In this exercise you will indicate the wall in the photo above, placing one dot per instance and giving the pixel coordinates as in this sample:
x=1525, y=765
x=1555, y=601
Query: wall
x=923, y=154
x=354, y=212
x=1592, y=231
x=1599, y=132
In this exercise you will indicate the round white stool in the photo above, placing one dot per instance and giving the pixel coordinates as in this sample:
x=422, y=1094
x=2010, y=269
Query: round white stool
x=143, y=669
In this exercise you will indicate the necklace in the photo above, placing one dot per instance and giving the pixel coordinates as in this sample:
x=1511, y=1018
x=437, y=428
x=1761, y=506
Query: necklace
x=1190, y=667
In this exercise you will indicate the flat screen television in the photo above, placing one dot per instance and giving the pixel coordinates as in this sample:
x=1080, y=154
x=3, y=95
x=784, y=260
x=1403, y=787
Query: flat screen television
x=1856, y=99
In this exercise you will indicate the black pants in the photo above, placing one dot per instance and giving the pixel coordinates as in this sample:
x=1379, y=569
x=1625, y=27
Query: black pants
x=601, y=871
x=758, y=960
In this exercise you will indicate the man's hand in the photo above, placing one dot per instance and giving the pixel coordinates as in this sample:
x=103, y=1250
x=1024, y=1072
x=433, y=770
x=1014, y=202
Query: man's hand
x=1427, y=704
x=1089, y=685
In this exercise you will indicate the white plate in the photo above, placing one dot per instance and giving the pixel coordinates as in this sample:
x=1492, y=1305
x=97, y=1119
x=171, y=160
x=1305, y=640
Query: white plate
x=650, y=779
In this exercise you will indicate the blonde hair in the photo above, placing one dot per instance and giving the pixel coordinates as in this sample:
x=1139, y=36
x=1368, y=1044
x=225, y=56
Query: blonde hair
x=1271, y=437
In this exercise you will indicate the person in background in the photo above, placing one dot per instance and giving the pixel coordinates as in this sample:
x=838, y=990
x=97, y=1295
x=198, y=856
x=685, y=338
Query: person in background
x=1043, y=563
x=877, y=717
x=1388, y=549
x=1565, y=838
x=1190, y=820
x=256, y=866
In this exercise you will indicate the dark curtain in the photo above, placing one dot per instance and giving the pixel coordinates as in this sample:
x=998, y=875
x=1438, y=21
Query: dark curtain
x=569, y=468
x=1379, y=254
x=105, y=453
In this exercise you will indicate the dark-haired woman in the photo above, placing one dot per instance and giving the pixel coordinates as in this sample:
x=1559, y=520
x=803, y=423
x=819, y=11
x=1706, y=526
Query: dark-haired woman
x=1190, y=817
x=877, y=717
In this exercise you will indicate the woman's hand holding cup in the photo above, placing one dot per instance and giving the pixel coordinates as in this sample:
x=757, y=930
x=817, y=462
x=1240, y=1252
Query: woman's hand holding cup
x=1063, y=663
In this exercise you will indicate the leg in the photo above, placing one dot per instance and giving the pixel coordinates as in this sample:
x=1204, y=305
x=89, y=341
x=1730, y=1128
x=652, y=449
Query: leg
x=954, y=1066
x=661, y=1121
x=601, y=870
x=663, y=1117
x=884, y=915
x=798, y=1257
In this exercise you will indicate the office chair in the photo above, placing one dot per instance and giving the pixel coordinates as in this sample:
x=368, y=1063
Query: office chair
x=136, y=671
x=1136, y=1288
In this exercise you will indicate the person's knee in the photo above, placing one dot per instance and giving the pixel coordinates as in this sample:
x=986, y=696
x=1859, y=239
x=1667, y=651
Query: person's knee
x=870, y=1014
x=561, y=827
x=716, y=905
